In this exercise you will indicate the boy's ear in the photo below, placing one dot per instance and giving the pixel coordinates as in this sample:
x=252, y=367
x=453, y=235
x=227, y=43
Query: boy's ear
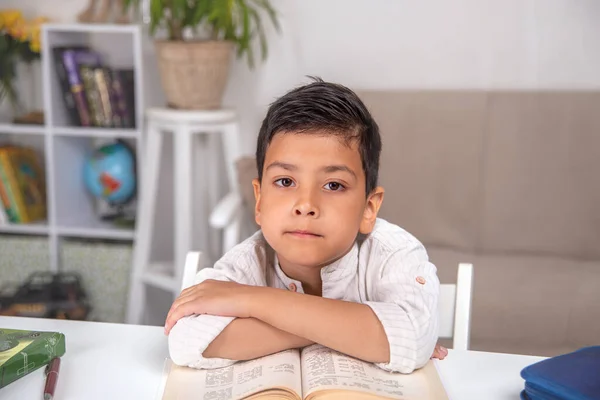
x=256, y=186
x=371, y=210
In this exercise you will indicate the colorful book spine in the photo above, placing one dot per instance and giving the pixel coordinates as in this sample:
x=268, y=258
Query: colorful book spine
x=7, y=195
x=120, y=99
x=22, y=176
x=92, y=94
x=103, y=85
x=63, y=79
x=22, y=352
x=76, y=86
x=5, y=203
x=3, y=214
x=126, y=77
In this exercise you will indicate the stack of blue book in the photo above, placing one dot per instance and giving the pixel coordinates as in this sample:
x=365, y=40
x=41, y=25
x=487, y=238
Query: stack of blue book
x=571, y=376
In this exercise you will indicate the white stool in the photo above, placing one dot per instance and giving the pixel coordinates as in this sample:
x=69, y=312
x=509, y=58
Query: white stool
x=183, y=125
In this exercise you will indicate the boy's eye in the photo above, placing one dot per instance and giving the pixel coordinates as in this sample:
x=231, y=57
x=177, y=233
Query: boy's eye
x=284, y=182
x=334, y=186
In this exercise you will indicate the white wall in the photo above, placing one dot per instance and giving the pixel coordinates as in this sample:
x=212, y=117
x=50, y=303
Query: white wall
x=389, y=44
x=408, y=44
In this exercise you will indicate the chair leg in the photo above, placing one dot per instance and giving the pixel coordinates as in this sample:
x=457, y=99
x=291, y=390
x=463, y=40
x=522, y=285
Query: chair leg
x=183, y=198
x=145, y=224
x=464, y=294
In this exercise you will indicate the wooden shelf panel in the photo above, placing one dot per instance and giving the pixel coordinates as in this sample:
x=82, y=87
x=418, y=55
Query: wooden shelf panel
x=93, y=28
x=18, y=129
x=37, y=228
x=95, y=132
x=93, y=228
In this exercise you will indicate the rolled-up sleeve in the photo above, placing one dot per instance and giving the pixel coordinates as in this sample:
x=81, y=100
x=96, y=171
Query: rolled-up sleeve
x=405, y=299
x=191, y=335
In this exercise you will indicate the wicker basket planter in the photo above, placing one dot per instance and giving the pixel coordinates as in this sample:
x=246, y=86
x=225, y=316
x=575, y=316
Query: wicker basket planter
x=194, y=74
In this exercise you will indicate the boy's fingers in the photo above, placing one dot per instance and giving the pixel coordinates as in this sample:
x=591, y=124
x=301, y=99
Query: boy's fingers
x=440, y=352
x=182, y=299
x=182, y=309
x=177, y=312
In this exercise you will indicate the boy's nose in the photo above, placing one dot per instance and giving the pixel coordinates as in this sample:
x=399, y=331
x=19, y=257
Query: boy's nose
x=306, y=207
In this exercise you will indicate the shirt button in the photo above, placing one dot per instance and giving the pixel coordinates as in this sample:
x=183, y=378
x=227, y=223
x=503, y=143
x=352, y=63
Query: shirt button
x=421, y=280
x=293, y=287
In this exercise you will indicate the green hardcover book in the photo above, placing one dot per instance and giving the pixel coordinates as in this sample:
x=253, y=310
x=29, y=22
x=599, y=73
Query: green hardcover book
x=22, y=352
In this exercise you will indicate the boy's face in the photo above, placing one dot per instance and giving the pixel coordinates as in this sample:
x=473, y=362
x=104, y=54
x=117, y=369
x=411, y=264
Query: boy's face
x=311, y=202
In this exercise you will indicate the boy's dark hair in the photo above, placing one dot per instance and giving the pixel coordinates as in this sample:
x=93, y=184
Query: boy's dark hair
x=328, y=107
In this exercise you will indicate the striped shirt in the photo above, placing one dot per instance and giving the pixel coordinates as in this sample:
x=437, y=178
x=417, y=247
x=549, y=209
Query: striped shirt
x=388, y=270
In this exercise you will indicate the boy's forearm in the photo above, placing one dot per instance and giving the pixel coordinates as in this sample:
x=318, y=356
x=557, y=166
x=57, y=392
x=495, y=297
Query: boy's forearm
x=249, y=338
x=350, y=328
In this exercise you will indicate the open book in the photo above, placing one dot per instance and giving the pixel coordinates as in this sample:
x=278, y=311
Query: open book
x=315, y=373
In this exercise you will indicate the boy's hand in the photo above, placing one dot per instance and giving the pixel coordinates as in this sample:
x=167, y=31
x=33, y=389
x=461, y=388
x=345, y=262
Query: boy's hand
x=227, y=299
x=440, y=352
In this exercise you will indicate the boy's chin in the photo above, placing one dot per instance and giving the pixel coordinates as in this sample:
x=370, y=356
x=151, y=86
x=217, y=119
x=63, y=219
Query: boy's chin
x=306, y=260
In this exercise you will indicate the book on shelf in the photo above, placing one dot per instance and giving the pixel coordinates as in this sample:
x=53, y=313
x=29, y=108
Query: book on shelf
x=3, y=215
x=313, y=373
x=22, y=352
x=71, y=85
x=22, y=185
x=94, y=93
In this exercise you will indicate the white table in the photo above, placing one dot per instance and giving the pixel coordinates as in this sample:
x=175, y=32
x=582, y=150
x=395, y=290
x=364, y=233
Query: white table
x=113, y=361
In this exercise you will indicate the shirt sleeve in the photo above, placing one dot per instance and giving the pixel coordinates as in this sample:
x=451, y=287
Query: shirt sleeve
x=191, y=335
x=406, y=302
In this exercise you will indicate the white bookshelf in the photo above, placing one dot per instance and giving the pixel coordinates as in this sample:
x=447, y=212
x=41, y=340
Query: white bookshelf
x=63, y=147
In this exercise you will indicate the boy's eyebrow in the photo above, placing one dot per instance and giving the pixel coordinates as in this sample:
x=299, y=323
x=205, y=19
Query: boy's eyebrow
x=289, y=167
x=328, y=169
x=336, y=168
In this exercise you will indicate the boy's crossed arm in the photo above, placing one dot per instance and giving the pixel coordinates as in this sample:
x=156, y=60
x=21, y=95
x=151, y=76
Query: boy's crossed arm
x=271, y=320
x=249, y=338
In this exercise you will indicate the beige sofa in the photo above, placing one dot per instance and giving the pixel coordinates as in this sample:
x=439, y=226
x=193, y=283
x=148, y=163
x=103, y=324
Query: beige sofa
x=508, y=181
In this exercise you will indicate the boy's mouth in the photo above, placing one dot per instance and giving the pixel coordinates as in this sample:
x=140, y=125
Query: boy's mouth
x=303, y=234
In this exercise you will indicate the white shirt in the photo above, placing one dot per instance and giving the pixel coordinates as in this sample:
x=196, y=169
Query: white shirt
x=388, y=270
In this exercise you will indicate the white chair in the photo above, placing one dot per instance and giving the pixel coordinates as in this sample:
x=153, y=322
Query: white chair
x=455, y=308
x=194, y=262
x=227, y=217
x=454, y=303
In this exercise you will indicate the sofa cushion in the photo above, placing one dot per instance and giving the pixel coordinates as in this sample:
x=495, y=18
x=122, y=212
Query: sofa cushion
x=529, y=299
x=430, y=163
x=541, y=186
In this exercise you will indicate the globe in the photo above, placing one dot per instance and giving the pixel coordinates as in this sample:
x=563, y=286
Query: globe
x=109, y=173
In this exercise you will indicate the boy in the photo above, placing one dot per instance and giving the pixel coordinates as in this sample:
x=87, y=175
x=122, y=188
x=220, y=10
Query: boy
x=323, y=268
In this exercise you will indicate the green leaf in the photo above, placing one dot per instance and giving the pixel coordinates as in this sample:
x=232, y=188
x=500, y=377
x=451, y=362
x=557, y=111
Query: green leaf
x=262, y=38
x=198, y=12
x=179, y=9
x=246, y=35
x=156, y=14
x=239, y=21
x=271, y=12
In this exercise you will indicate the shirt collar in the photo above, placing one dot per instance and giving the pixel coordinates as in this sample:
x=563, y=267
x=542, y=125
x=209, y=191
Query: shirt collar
x=339, y=270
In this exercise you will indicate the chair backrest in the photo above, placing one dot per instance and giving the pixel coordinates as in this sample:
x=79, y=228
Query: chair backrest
x=193, y=263
x=455, y=308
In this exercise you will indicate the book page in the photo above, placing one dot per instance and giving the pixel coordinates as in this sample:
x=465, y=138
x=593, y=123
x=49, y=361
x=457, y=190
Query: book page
x=325, y=369
x=238, y=381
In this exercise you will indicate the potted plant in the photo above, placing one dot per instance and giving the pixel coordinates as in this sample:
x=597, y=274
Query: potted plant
x=194, y=59
x=19, y=43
